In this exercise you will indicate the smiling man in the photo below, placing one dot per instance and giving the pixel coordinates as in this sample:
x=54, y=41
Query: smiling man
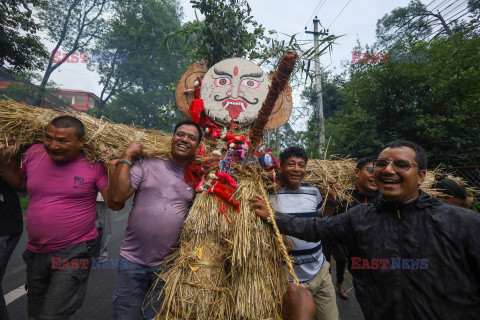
x=62, y=186
x=299, y=199
x=429, y=250
x=162, y=201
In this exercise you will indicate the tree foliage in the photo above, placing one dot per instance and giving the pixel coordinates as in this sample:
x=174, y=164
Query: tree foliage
x=436, y=104
x=414, y=22
x=141, y=65
x=224, y=32
x=72, y=25
x=20, y=47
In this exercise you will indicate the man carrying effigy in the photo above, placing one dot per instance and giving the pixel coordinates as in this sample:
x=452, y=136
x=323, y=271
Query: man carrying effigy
x=299, y=199
x=419, y=257
x=162, y=201
x=62, y=186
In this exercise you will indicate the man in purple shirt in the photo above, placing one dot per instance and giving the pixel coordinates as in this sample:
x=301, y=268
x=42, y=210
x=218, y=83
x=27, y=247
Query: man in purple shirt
x=161, y=204
x=62, y=187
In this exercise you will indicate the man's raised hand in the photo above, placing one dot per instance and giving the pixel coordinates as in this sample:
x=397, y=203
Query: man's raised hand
x=260, y=207
x=133, y=149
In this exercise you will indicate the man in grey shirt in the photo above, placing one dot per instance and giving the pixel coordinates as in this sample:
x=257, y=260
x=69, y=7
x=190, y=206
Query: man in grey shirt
x=161, y=204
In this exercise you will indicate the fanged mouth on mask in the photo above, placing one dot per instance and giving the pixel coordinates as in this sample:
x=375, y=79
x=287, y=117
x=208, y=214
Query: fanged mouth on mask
x=233, y=90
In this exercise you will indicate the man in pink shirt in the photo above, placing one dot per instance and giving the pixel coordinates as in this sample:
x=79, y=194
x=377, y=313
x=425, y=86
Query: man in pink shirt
x=62, y=186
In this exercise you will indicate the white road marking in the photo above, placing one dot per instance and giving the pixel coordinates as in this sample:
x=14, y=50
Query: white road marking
x=15, y=294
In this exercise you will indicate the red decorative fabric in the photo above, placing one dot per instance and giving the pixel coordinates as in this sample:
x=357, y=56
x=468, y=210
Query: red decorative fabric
x=194, y=174
x=225, y=178
x=196, y=109
x=225, y=192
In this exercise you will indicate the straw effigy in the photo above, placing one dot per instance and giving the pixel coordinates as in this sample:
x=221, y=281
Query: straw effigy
x=227, y=268
x=258, y=254
x=196, y=285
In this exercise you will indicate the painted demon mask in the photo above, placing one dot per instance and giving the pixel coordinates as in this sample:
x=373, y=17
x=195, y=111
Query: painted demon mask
x=234, y=89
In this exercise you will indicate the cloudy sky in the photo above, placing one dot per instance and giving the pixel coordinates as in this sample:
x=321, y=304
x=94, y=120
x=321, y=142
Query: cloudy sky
x=354, y=19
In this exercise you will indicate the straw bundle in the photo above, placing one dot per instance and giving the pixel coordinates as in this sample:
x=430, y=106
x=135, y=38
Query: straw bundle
x=196, y=283
x=227, y=268
x=320, y=172
x=258, y=274
x=432, y=177
x=28, y=124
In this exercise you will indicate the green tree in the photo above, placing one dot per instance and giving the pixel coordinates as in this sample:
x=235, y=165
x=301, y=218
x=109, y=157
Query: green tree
x=409, y=24
x=224, y=33
x=331, y=85
x=435, y=103
x=72, y=25
x=20, y=47
x=141, y=64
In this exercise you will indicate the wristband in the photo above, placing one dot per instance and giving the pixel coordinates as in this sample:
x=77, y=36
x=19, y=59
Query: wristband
x=125, y=161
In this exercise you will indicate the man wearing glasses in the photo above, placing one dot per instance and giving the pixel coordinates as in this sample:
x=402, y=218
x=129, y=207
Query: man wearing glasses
x=419, y=258
x=365, y=192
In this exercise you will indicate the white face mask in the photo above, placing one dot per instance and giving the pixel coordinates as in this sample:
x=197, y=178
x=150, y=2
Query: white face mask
x=234, y=89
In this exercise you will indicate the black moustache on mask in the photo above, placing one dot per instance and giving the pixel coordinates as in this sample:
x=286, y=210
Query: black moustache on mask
x=216, y=98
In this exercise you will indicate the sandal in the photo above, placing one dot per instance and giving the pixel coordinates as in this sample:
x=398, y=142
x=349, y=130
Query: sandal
x=341, y=290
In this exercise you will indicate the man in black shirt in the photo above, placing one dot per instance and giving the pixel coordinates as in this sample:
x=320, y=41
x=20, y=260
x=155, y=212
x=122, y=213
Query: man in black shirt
x=365, y=192
x=11, y=227
x=419, y=258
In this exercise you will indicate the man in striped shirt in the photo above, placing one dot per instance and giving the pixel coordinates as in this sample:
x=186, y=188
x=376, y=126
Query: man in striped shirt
x=300, y=199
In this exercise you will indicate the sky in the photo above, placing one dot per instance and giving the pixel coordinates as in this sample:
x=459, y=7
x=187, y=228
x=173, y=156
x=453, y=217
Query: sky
x=354, y=19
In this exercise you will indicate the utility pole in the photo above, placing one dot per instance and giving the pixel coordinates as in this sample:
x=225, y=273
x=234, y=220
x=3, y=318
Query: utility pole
x=444, y=24
x=318, y=87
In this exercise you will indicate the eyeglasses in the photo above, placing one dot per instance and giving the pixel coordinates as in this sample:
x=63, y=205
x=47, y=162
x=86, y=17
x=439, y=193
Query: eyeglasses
x=398, y=164
x=370, y=169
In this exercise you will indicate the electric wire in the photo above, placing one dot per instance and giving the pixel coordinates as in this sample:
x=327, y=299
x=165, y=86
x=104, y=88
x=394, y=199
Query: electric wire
x=338, y=14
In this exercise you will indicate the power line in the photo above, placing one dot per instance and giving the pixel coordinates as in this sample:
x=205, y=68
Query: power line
x=440, y=4
x=459, y=17
x=430, y=3
x=456, y=13
x=320, y=9
x=455, y=8
x=313, y=12
x=339, y=14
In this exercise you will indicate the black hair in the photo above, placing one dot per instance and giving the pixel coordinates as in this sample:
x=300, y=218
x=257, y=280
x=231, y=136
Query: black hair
x=451, y=188
x=362, y=162
x=69, y=122
x=420, y=154
x=293, y=151
x=189, y=123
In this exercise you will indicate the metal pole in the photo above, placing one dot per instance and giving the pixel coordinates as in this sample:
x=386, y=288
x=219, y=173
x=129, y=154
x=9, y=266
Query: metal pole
x=318, y=92
x=318, y=89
